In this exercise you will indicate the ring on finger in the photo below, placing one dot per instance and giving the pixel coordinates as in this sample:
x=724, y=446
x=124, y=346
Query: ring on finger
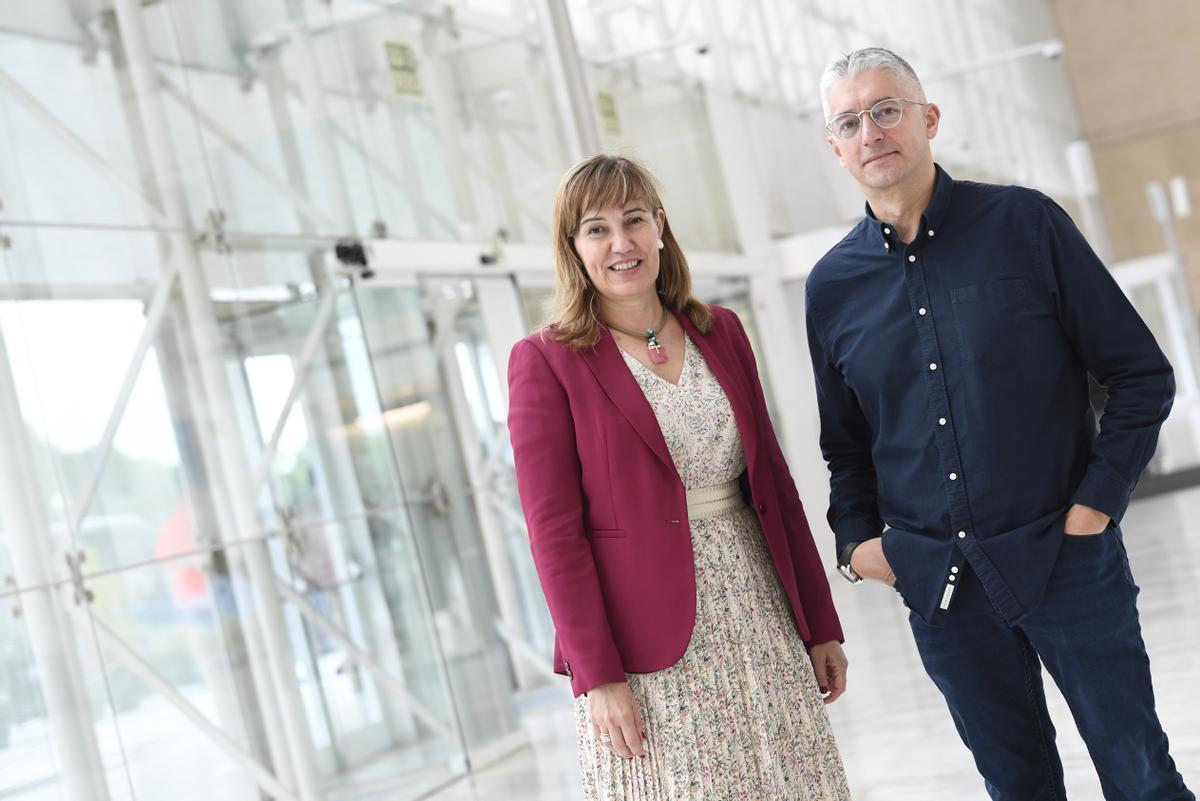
x=605, y=737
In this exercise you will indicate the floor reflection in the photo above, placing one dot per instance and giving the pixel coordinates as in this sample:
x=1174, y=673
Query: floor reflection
x=897, y=740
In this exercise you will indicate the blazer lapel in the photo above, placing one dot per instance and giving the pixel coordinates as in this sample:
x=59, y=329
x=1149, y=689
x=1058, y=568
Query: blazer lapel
x=724, y=365
x=622, y=388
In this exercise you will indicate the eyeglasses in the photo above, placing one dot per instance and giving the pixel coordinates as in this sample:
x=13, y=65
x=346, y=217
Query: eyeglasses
x=886, y=114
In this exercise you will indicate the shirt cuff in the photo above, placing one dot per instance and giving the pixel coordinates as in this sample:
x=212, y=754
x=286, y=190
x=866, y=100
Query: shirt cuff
x=849, y=531
x=1103, y=490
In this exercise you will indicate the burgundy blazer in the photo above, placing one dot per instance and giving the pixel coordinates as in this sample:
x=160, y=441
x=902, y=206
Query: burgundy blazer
x=607, y=511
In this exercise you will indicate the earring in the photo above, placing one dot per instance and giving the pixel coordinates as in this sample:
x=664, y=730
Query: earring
x=660, y=244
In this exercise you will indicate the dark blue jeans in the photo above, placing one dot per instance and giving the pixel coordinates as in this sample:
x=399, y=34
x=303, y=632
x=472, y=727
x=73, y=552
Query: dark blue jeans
x=1086, y=633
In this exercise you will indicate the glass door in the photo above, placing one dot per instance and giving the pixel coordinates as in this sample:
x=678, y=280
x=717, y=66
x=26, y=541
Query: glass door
x=371, y=665
x=475, y=321
x=421, y=397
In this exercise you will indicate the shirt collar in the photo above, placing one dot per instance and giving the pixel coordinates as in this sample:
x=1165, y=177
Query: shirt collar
x=931, y=220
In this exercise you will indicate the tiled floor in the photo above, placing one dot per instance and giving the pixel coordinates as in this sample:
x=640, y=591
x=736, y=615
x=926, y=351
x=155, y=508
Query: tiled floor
x=896, y=738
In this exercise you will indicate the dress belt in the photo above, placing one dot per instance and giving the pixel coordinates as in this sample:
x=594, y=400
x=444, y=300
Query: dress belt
x=705, y=502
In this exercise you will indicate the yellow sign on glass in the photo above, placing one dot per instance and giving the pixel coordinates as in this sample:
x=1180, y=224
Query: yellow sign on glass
x=403, y=63
x=606, y=104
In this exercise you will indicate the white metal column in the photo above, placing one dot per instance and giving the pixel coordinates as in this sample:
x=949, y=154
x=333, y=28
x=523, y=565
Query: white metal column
x=318, y=115
x=439, y=81
x=218, y=394
x=267, y=707
x=500, y=311
x=50, y=638
x=575, y=106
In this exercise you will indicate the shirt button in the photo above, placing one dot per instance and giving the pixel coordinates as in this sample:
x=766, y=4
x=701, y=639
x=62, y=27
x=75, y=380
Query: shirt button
x=931, y=232
x=887, y=245
x=912, y=258
x=887, y=230
x=962, y=535
x=954, y=570
x=954, y=476
x=952, y=578
x=933, y=366
x=921, y=311
x=941, y=421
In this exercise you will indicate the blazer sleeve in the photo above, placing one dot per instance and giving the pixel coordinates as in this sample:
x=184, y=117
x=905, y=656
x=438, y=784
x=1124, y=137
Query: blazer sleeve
x=812, y=581
x=549, y=482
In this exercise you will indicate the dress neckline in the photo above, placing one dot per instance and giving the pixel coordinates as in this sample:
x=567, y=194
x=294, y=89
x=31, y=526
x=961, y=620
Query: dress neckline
x=636, y=364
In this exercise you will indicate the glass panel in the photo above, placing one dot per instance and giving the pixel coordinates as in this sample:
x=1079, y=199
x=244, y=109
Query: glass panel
x=30, y=769
x=469, y=93
x=365, y=118
x=36, y=759
x=191, y=621
x=69, y=387
x=362, y=577
x=734, y=294
x=480, y=378
x=665, y=125
x=64, y=114
x=332, y=504
x=538, y=303
x=179, y=621
x=332, y=456
x=334, y=466
x=259, y=96
x=443, y=502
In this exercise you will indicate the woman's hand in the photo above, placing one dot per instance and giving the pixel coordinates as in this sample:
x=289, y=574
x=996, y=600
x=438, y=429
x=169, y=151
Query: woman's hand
x=829, y=665
x=615, y=715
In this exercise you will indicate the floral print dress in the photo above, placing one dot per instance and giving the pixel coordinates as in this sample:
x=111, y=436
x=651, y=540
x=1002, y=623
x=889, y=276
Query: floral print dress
x=740, y=716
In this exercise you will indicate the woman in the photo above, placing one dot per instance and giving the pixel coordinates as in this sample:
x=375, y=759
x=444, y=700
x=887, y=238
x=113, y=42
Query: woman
x=682, y=612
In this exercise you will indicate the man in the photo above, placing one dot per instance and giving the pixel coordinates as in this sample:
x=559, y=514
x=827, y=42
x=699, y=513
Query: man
x=952, y=333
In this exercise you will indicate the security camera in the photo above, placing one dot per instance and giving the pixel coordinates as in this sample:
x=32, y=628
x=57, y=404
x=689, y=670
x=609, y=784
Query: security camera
x=353, y=255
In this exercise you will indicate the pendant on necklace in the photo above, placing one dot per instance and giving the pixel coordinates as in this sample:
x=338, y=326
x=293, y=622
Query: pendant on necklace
x=657, y=354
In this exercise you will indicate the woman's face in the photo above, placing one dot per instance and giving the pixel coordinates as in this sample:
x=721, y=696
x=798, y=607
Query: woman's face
x=619, y=249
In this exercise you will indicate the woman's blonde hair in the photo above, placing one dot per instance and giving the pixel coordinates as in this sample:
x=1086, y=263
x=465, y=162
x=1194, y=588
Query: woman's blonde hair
x=603, y=182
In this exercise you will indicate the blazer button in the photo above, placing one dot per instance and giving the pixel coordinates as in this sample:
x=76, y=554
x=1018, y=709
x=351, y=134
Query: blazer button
x=762, y=508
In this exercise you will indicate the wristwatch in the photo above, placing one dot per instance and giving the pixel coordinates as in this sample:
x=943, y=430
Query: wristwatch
x=844, y=562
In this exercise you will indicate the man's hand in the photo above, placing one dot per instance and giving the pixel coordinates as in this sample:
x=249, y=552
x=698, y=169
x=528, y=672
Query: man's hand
x=829, y=666
x=1082, y=521
x=869, y=562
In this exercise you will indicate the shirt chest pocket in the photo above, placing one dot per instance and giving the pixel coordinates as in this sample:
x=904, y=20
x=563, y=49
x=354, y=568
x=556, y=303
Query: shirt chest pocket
x=1000, y=321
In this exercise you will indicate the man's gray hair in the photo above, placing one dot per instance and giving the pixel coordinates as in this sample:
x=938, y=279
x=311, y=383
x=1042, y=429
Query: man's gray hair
x=869, y=58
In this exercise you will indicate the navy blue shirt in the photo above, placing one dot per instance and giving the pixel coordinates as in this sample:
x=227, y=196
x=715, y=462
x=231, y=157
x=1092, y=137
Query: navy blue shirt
x=952, y=383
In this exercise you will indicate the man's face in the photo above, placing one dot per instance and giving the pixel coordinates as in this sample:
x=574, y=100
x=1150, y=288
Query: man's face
x=881, y=158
